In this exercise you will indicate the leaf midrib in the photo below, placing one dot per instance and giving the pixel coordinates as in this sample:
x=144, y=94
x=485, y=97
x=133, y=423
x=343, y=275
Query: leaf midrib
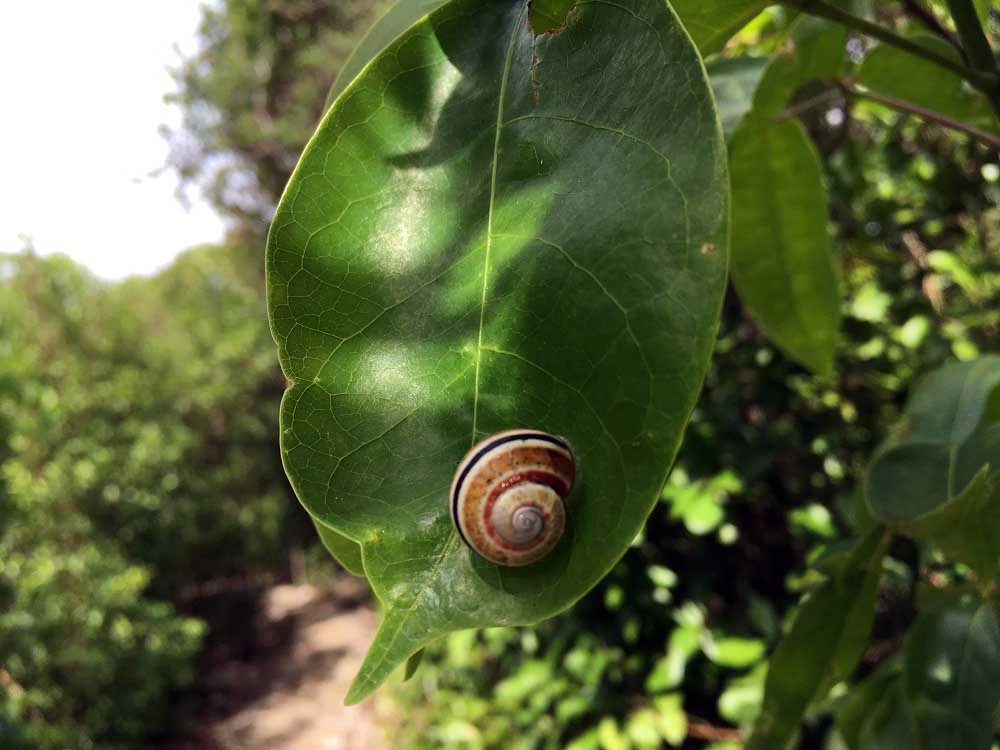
x=363, y=682
x=505, y=77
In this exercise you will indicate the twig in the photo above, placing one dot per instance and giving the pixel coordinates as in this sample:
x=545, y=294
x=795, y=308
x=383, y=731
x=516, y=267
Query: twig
x=928, y=114
x=983, y=81
x=830, y=95
x=700, y=729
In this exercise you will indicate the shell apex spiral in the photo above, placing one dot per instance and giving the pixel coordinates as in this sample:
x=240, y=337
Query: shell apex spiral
x=508, y=495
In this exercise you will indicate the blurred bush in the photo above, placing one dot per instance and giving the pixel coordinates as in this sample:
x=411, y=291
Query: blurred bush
x=140, y=471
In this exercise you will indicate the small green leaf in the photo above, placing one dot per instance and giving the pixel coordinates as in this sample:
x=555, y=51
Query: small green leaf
x=345, y=551
x=937, y=451
x=643, y=730
x=734, y=81
x=671, y=719
x=711, y=23
x=668, y=672
x=891, y=71
x=733, y=652
x=950, y=265
x=412, y=665
x=827, y=638
x=782, y=251
x=951, y=677
x=483, y=235
x=610, y=736
x=741, y=701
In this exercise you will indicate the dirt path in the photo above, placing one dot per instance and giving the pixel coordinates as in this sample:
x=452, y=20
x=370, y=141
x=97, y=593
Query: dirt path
x=300, y=705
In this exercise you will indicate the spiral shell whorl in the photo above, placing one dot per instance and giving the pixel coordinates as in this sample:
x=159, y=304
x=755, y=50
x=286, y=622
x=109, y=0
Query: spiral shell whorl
x=508, y=493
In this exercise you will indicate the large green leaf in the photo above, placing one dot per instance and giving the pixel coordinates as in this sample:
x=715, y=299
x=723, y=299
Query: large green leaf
x=487, y=232
x=712, y=22
x=783, y=264
x=893, y=72
x=951, y=677
x=782, y=251
x=826, y=640
x=938, y=449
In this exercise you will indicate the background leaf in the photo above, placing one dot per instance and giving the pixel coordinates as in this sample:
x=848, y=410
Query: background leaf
x=967, y=528
x=937, y=451
x=734, y=81
x=826, y=640
x=951, y=677
x=890, y=71
x=480, y=236
x=782, y=251
x=712, y=22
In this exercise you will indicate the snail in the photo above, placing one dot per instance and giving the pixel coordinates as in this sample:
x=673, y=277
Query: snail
x=507, y=498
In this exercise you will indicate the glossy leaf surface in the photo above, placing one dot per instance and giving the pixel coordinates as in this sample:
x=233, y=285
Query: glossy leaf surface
x=487, y=232
x=938, y=449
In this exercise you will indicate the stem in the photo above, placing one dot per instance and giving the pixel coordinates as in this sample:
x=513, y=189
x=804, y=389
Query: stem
x=830, y=95
x=822, y=9
x=970, y=31
x=928, y=114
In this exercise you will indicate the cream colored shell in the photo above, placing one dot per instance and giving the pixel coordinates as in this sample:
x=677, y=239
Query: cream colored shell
x=507, y=498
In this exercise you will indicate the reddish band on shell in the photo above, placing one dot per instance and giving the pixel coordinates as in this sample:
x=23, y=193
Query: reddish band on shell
x=510, y=472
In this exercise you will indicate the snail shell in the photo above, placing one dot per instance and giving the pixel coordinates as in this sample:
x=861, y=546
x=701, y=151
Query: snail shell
x=507, y=498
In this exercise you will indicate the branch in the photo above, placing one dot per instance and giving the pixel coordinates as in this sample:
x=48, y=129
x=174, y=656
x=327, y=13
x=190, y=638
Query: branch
x=829, y=96
x=985, y=82
x=928, y=114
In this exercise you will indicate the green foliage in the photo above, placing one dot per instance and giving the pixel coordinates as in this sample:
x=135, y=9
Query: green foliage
x=443, y=330
x=949, y=432
x=140, y=466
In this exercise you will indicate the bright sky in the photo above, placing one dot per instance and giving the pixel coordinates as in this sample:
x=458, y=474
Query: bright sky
x=83, y=87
